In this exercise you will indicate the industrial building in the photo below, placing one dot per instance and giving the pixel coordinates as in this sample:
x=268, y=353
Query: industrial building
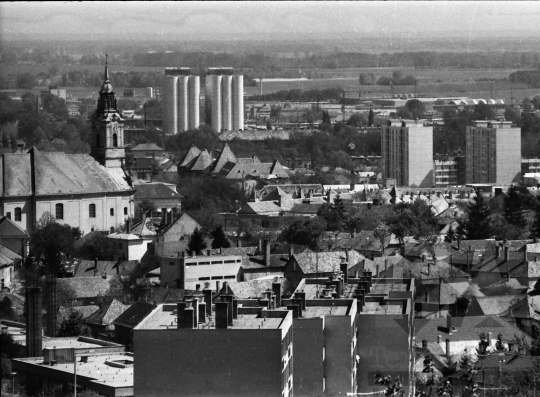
x=223, y=95
x=181, y=91
x=188, y=349
x=493, y=152
x=407, y=152
x=224, y=99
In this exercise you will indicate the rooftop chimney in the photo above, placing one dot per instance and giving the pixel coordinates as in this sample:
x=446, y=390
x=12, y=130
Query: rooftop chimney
x=238, y=243
x=276, y=289
x=497, y=251
x=302, y=297
x=201, y=315
x=295, y=309
x=506, y=253
x=345, y=271
x=448, y=348
x=207, y=292
x=489, y=339
x=298, y=302
x=291, y=251
x=424, y=343
x=267, y=253
x=221, y=315
x=449, y=324
x=229, y=300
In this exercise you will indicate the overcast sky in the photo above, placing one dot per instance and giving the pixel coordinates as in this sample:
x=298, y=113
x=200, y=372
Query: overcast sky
x=262, y=19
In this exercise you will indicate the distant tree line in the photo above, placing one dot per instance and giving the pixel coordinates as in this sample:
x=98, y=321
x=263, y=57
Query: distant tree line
x=529, y=77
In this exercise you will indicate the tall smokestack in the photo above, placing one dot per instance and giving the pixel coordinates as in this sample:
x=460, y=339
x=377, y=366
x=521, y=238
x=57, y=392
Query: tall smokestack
x=33, y=322
x=52, y=306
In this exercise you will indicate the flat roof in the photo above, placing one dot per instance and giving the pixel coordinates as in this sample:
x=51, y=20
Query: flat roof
x=110, y=374
x=319, y=311
x=167, y=319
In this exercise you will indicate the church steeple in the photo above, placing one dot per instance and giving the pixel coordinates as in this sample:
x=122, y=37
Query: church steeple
x=108, y=126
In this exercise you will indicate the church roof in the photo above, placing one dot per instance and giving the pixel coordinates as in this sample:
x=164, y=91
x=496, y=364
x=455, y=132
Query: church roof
x=57, y=174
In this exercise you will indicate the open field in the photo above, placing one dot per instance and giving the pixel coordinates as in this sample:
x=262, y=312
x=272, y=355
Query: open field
x=431, y=82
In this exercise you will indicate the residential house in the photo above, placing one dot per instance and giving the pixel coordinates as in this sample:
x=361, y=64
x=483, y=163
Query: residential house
x=128, y=246
x=163, y=196
x=128, y=320
x=88, y=290
x=101, y=321
x=13, y=236
x=525, y=314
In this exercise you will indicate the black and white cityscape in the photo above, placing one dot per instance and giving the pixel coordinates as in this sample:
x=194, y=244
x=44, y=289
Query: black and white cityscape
x=290, y=199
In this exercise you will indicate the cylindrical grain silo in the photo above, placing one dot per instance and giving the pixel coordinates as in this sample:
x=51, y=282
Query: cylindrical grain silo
x=170, y=126
x=216, y=102
x=194, y=94
x=183, y=101
x=238, y=102
x=208, y=89
x=226, y=109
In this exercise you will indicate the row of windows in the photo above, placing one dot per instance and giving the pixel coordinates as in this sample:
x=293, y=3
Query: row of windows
x=59, y=212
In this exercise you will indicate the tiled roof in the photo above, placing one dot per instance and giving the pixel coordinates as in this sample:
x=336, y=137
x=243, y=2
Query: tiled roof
x=85, y=268
x=428, y=270
x=224, y=157
x=147, y=146
x=107, y=313
x=154, y=191
x=132, y=316
x=529, y=307
x=192, y=153
x=86, y=287
x=254, y=288
x=468, y=328
x=59, y=173
x=7, y=256
x=325, y=262
x=260, y=207
x=443, y=293
x=9, y=228
x=495, y=305
x=203, y=161
x=298, y=208
x=86, y=311
x=242, y=170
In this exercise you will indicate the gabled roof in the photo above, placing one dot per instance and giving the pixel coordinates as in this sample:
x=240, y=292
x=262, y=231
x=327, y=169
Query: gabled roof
x=154, y=191
x=325, y=262
x=203, y=161
x=254, y=288
x=260, y=208
x=529, y=307
x=192, y=154
x=7, y=256
x=86, y=287
x=147, y=146
x=59, y=174
x=225, y=156
x=495, y=305
x=132, y=316
x=86, y=268
x=9, y=228
x=107, y=313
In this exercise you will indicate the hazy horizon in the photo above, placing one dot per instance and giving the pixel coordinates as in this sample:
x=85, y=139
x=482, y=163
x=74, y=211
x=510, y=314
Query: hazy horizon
x=266, y=20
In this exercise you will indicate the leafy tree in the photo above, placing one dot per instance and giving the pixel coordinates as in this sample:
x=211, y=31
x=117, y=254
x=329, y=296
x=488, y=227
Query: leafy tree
x=499, y=345
x=393, y=389
x=371, y=118
x=196, y=241
x=450, y=234
x=26, y=81
x=10, y=349
x=483, y=345
x=415, y=107
x=478, y=224
x=513, y=208
x=381, y=232
x=268, y=125
x=304, y=232
x=51, y=243
x=73, y=326
x=357, y=120
x=220, y=240
x=144, y=207
x=535, y=231
x=94, y=245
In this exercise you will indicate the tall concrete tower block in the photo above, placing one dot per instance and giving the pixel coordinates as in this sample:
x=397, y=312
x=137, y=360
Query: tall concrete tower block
x=183, y=100
x=216, y=102
x=194, y=94
x=170, y=105
x=238, y=102
x=227, y=103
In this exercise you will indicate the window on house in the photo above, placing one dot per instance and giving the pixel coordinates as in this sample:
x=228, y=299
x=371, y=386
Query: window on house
x=112, y=229
x=112, y=211
x=115, y=140
x=59, y=211
x=92, y=210
x=125, y=210
x=18, y=214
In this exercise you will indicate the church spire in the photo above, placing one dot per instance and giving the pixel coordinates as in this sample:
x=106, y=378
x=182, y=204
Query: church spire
x=106, y=79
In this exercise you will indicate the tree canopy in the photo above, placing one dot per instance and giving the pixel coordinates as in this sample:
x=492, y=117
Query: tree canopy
x=478, y=226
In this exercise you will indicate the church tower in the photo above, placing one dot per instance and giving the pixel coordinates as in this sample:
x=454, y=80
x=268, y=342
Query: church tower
x=107, y=128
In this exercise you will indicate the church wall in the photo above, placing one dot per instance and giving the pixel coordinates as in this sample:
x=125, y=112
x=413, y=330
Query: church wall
x=9, y=205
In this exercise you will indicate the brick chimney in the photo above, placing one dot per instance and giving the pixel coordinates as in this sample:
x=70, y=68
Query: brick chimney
x=449, y=324
x=298, y=302
x=343, y=267
x=207, y=292
x=33, y=322
x=295, y=310
x=221, y=315
x=506, y=253
x=276, y=289
x=52, y=306
x=267, y=247
x=447, y=348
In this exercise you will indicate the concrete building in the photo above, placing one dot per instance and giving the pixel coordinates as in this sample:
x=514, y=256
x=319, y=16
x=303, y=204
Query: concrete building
x=224, y=99
x=493, y=152
x=127, y=246
x=188, y=272
x=407, y=153
x=449, y=171
x=181, y=91
x=191, y=350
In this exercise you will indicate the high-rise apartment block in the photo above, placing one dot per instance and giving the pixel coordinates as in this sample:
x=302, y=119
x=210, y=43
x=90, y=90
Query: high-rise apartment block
x=407, y=152
x=493, y=152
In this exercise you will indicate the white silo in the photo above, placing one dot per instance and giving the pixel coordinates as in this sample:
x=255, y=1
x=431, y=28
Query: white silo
x=216, y=102
x=208, y=90
x=183, y=101
x=226, y=110
x=238, y=102
x=170, y=100
x=194, y=94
